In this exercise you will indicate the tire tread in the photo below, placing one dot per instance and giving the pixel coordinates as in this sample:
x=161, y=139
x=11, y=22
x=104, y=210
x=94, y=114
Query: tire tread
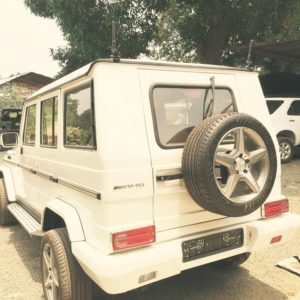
x=75, y=284
x=6, y=218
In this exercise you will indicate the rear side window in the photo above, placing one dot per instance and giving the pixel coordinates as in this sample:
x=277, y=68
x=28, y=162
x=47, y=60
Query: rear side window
x=29, y=131
x=273, y=105
x=177, y=110
x=49, y=122
x=294, y=109
x=79, y=118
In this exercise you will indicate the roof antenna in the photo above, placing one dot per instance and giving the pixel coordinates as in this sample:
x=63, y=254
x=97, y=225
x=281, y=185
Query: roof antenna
x=114, y=50
x=249, y=57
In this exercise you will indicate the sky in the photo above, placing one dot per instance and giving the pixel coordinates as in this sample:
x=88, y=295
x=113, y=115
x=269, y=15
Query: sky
x=25, y=41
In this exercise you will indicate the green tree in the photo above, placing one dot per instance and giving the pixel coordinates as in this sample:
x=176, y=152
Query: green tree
x=183, y=30
x=207, y=30
x=86, y=25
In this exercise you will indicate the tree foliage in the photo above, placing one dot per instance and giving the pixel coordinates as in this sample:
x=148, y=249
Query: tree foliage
x=183, y=30
x=207, y=30
x=86, y=25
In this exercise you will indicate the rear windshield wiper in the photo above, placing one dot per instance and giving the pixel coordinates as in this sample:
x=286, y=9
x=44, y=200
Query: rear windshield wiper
x=210, y=107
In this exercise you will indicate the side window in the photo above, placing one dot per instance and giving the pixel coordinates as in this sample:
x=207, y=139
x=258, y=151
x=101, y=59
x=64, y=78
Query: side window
x=177, y=110
x=79, y=118
x=273, y=105
x=29, y=131
x=49, y=122
x=294, y=109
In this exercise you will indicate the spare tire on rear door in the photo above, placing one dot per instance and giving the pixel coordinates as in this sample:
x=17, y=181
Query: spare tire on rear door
x=229, y=164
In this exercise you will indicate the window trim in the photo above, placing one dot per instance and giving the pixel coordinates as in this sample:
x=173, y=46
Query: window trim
x=291, y=104
x=25, y=125
x=90, y=85
x=53, y=121
x=274, y=100
x=160, y=85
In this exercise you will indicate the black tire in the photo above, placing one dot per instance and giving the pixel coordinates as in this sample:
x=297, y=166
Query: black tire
x=286, y=149
x=62, y=267
x=234, y=261
x=198, y=165
x=6, y=218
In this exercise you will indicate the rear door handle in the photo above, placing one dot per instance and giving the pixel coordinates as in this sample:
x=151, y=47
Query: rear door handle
x=292, y=120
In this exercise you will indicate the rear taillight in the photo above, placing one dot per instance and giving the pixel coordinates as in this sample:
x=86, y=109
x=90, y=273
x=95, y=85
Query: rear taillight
x=133, y=238
x=276, y=208
x=276, y=239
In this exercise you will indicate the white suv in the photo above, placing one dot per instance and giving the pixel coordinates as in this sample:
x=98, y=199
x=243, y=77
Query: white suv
x=285, y=116
x=133, y=172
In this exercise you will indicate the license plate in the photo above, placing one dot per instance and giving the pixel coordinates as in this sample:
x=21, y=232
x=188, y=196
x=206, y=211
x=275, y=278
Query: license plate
x=212, y=244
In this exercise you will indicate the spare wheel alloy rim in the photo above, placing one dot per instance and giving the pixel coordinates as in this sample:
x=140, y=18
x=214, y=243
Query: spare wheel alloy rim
x=241, y=164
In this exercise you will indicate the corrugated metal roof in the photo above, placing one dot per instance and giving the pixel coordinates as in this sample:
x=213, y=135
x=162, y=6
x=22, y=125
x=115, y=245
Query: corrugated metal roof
x=29, y=78
x=288, y=49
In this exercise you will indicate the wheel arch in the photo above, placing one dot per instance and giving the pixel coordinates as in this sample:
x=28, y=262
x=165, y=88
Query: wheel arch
x=58, y=214
x=287, y=133
x=5, y=174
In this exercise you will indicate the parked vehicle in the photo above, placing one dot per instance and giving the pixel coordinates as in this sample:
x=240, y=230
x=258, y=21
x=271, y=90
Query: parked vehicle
x=10, y=119
x=285, y=116
x=135, y=171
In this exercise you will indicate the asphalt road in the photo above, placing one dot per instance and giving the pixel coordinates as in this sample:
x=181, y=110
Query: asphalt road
x=256, y=279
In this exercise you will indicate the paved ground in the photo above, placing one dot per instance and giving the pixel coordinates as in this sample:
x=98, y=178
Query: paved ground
x=257, y=279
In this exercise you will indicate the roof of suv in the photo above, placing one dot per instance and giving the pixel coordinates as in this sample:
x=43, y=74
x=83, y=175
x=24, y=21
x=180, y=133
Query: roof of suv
x=85, y=70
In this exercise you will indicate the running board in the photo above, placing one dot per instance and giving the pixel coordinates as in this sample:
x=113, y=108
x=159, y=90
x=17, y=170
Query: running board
x=30, y=224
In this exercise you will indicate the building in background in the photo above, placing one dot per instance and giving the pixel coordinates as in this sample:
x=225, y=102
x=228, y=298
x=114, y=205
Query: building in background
x=15, y=89
x=281, y=66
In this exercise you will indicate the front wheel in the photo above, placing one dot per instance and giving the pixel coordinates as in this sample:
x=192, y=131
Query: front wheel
x=62, y=276
x=6, y=218
x=286, y=149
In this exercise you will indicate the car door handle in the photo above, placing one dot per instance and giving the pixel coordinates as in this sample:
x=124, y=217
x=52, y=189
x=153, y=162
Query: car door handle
x=292, y=120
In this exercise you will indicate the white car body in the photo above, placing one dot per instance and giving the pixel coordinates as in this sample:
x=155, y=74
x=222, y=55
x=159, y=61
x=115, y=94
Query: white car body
x=284, y=121
x=285, y=116
x=113, y=188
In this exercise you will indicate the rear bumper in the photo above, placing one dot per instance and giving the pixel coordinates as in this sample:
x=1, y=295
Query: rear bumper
x=121, y=272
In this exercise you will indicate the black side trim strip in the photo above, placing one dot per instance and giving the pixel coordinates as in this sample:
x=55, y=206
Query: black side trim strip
x=32, y=171
x=64, y=182
x=80, y=188
x=42, y=174
x=168, y=177
x=53, y=179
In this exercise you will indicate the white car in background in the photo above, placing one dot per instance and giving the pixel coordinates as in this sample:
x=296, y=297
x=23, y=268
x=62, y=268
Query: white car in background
x=285, y=115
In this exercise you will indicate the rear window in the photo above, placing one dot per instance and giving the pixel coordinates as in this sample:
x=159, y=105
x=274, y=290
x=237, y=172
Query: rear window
x=273, y=105
x=177, y=110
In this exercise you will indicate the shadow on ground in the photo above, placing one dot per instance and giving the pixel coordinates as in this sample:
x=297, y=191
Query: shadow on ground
x=28, y=249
